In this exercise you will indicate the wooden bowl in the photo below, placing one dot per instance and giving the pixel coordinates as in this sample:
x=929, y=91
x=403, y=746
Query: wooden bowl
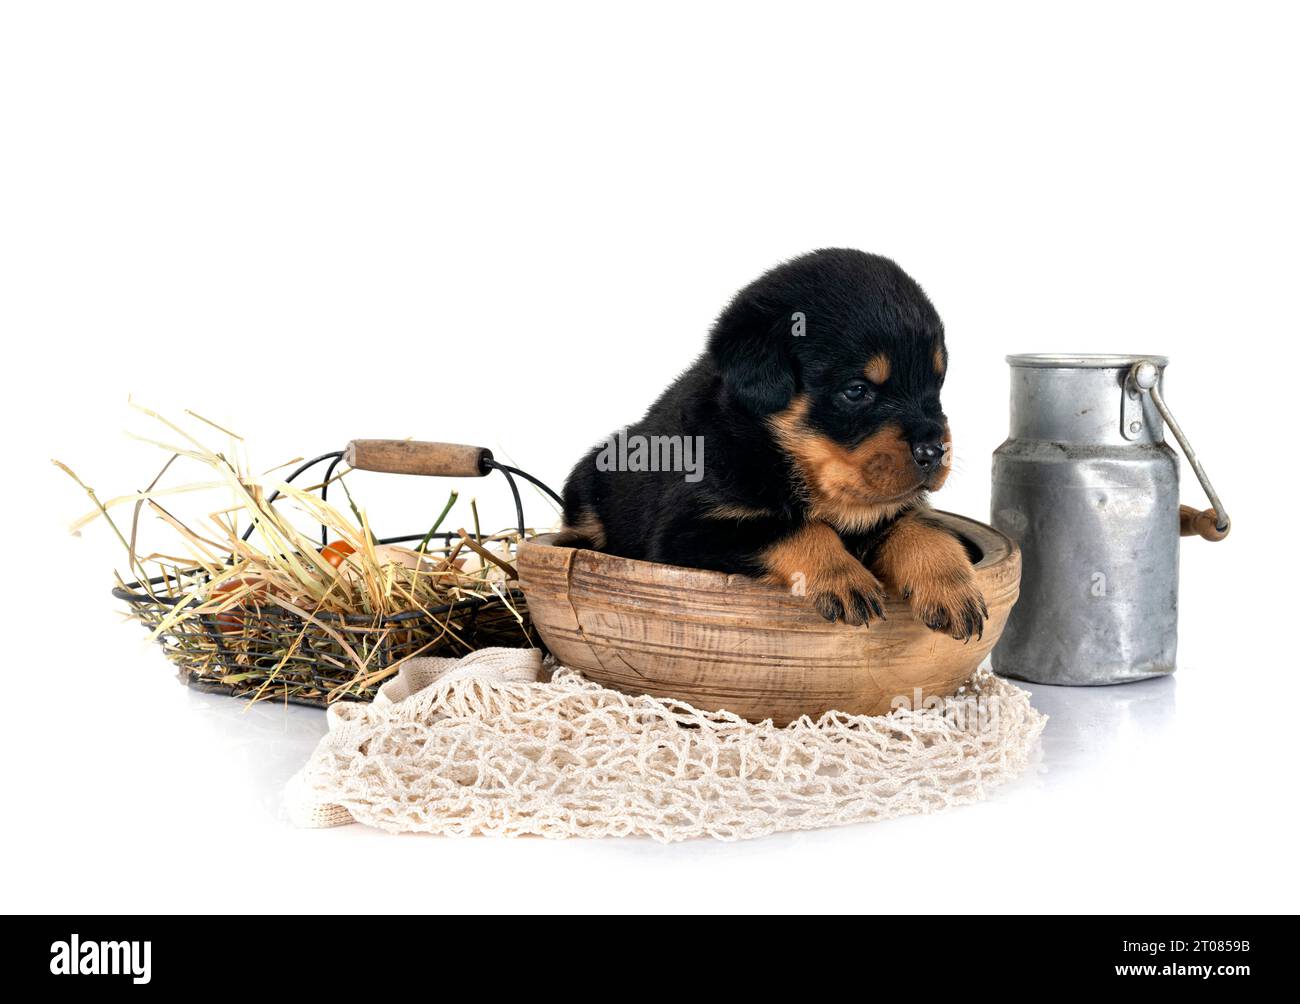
x=726, y=641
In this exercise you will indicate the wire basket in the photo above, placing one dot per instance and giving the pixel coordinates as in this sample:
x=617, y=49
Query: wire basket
x=315, y=658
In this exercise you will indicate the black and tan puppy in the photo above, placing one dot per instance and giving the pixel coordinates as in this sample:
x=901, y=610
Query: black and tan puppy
x=799, y=449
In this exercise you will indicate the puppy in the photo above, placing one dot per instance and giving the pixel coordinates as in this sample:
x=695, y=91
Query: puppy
x=799, y=449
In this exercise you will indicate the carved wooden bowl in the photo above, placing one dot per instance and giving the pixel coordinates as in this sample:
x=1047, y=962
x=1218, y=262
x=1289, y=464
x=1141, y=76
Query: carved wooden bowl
x=722, y=641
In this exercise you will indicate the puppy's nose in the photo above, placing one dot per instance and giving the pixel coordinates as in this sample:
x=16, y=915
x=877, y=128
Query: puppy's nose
x=927, y=455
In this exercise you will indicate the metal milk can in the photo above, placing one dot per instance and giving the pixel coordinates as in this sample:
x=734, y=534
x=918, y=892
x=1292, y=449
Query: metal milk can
x=1089, y=489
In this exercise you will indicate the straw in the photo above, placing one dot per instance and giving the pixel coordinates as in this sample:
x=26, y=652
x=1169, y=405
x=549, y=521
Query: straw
x=271, y=617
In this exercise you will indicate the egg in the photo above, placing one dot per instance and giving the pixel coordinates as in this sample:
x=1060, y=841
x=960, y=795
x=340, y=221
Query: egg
x=352, y=567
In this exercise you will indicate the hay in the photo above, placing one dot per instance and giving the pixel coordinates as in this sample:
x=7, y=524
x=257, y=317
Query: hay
x=280, y=616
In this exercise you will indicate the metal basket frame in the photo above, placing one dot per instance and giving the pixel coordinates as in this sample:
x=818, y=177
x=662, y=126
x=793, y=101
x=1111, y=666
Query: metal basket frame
x=146, y=604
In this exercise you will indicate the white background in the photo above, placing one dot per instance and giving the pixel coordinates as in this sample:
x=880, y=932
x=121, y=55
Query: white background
x=512, y=226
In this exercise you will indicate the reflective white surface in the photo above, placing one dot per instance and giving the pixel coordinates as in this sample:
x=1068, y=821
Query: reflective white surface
x=304, y=225
x=1162, y=795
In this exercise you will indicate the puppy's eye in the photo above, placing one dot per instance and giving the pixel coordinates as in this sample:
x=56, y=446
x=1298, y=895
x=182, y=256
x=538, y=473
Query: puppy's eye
x=856, y=392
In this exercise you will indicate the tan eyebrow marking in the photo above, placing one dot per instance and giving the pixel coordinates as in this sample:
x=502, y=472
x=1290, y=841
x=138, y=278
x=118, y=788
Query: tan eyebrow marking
x=878, y=368
x=939, y=364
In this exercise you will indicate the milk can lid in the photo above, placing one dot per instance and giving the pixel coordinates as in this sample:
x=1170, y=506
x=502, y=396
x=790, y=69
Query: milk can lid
x=1082, y=360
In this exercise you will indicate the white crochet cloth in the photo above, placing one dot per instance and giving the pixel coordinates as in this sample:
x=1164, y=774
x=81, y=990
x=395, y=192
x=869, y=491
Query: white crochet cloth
x=489, y=745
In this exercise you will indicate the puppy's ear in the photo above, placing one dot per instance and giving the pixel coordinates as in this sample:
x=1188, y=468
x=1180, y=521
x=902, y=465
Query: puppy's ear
x=751, y=346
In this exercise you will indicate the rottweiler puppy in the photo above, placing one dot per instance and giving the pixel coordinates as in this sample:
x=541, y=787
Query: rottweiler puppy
x=800, y=449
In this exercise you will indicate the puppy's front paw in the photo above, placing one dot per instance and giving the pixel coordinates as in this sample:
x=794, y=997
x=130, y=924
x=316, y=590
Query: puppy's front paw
x=848, y=593
x=928, y=566
x=951, y=604
x=813, y=562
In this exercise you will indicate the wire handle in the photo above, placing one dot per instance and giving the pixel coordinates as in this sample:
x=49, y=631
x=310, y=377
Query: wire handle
x=1212, y=523
x=406, y=456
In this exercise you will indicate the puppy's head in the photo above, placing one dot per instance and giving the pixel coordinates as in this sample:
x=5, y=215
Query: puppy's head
x=843, y=356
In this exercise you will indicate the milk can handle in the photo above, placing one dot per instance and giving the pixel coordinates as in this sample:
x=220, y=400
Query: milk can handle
x=1212, y=523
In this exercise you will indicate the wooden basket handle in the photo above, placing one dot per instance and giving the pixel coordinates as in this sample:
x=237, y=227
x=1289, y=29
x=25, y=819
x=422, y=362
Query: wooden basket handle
x=1193, y=522
x=409, y=456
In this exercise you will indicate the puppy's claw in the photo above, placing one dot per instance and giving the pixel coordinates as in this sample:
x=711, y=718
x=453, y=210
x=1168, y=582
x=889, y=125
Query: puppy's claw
x=959, y=612
x=865, y=607
x=857, y=599
x=829, y=606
